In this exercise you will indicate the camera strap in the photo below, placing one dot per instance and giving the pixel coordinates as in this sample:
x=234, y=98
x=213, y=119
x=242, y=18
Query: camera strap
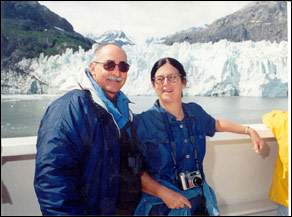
x=192, y=140
x=173, y=144
x=192, y=137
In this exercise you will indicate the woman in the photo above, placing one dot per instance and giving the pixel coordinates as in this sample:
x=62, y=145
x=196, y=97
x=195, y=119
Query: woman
x=172, y=141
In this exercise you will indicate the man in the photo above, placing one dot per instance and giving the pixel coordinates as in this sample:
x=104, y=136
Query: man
x=80, y=141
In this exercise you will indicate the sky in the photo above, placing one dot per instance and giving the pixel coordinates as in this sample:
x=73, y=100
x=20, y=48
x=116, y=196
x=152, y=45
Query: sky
x=141, y=20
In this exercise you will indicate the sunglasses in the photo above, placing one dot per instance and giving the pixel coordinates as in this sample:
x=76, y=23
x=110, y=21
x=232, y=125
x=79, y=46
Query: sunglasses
x=110, y=65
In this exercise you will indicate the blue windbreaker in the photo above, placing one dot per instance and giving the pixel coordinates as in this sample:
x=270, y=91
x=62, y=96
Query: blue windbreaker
x=78, y=156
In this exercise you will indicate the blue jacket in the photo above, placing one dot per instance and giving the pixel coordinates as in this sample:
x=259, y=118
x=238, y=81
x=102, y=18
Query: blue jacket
x=77, y=160
x=162, y=138
x=147, y=201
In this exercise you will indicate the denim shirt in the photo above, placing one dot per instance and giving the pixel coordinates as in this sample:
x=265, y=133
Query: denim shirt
x=155, y=144
x=184, y=149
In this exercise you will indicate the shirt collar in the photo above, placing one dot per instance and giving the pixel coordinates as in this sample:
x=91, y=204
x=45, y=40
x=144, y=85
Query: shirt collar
x=170, y=116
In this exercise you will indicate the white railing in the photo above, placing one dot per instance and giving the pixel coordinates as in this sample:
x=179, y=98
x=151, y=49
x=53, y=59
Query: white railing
x=240, y=177
x=26, y=145
x=18, y=146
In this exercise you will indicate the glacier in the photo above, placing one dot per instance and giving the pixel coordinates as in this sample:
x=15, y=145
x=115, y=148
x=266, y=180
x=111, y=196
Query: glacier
x=223, y=68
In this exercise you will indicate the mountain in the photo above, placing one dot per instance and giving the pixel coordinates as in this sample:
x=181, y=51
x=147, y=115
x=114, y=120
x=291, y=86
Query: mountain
x=154, y=40
x=113, y=36
x=261, y=20
x=29, y=28
x=161, y=40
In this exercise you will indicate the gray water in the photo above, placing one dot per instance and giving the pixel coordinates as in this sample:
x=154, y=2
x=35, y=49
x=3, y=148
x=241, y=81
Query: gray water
x=21, y=115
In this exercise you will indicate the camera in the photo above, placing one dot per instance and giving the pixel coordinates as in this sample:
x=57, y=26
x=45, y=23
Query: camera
x=190, y=179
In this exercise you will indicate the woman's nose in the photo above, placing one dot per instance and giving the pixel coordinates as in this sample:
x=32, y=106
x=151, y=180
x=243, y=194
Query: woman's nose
x=165, y=81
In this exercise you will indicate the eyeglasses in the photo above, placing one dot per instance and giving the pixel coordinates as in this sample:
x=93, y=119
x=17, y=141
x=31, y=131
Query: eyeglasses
x=110, y=65
x=170, y=78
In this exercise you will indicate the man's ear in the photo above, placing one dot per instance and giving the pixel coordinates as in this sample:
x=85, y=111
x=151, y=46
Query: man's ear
x=91, y=67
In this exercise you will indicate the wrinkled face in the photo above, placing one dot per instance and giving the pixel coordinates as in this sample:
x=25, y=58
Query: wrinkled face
x=168, y=84
x=110, y=79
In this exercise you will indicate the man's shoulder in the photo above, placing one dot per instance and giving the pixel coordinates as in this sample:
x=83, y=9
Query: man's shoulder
x=72, y=98
x=73, y=95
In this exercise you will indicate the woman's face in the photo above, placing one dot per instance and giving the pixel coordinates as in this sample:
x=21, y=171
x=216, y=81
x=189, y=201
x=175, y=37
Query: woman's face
x=168, y=84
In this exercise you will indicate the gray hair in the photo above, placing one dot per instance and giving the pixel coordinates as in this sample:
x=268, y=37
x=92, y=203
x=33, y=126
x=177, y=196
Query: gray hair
x=100, y=46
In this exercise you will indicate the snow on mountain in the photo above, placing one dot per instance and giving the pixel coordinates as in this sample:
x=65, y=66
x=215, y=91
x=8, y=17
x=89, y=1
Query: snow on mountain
x=154, y=40
x=113, y=36
x=161, y=40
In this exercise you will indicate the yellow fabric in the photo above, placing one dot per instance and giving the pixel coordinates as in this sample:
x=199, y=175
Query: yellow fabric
x=277, y=120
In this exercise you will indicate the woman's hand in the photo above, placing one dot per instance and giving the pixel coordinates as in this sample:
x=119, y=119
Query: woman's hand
x=227, y=126
x=257, y=142
x=174, y=200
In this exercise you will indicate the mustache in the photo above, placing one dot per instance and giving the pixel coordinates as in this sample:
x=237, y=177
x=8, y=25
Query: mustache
x=113, y=78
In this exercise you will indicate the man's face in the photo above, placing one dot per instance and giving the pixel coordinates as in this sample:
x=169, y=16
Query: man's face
x=110, y=80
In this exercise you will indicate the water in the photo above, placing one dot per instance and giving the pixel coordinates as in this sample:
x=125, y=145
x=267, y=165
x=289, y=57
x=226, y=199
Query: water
x=21, y=114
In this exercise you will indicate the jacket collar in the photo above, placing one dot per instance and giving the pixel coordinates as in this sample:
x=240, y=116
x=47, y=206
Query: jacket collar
x=85, y=84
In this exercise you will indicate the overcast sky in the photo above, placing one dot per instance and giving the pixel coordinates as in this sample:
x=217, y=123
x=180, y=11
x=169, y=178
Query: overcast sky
x=141, y=20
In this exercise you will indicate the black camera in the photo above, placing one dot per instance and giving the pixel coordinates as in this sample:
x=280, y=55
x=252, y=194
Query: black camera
x=190, y=179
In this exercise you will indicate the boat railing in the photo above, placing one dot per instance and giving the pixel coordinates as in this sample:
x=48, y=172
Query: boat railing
x=240, y=177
